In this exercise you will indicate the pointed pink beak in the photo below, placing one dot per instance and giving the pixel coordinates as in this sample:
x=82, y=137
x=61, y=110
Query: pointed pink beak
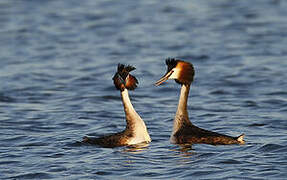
x=164, y=78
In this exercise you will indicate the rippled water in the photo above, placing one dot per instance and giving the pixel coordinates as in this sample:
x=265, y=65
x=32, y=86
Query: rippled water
x=58, y=58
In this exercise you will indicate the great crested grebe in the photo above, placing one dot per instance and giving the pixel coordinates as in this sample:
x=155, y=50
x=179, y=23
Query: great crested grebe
x=136, y=131
x=184, y=132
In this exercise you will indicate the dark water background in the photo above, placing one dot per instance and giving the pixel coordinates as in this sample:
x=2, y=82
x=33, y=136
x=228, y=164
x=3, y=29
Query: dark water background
x=57, y=59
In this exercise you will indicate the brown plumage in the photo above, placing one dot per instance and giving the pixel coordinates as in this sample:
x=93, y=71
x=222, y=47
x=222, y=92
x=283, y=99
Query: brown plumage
x=190, y=133
x=184, y=132
x=186, y=74
x=110, y=141
x=122, y=79
x=131, y=82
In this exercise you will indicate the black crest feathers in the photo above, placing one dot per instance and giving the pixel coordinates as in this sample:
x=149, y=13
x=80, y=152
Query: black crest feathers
x=122, y=78
x=171, y=63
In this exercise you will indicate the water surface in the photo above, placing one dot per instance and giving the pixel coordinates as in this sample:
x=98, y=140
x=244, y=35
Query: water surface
x=58, y=58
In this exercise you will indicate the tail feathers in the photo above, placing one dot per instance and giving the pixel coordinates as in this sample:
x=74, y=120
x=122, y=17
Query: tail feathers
x=240, y=139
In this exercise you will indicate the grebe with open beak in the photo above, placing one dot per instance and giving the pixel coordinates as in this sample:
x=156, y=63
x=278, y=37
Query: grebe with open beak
x=136, y=131
x=184, y=132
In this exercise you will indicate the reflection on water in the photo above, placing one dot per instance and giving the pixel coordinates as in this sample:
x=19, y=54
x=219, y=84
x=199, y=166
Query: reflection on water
x=185, y=153
x=137, y=148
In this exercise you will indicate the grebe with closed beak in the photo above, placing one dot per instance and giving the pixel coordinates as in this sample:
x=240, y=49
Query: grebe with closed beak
x=135, y=131
x=184, y=132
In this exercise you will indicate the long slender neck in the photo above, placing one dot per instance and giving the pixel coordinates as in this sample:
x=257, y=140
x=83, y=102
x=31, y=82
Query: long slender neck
x=181, y=117
x=132, y=117
x=182, y=103
x=135, y=124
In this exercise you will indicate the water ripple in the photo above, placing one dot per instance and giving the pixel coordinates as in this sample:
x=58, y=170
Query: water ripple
x=39, y=175
x=270, y=148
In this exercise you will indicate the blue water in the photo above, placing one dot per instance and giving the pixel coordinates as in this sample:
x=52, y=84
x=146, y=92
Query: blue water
x=57, y=59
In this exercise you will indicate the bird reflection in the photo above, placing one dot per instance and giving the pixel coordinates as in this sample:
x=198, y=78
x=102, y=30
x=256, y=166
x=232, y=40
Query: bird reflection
x=136, y=148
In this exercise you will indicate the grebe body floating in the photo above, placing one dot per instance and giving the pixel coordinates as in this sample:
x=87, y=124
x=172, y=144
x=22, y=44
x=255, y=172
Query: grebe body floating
x=135, y=131
x=184, y=132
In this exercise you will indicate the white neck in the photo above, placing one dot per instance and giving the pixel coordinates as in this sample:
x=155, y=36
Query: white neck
x=134, y=121
x=181, y=116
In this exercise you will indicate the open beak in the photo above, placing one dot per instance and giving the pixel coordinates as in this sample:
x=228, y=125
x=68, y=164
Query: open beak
x=164, y=78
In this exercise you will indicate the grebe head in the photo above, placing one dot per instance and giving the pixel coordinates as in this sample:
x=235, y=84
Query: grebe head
x=182, y=72
x=123, y=79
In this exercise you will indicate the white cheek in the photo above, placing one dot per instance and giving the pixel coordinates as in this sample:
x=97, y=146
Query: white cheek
x=175, y=74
